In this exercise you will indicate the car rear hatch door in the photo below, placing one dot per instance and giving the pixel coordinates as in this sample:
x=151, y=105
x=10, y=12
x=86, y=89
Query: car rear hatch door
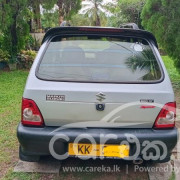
x=83, y=69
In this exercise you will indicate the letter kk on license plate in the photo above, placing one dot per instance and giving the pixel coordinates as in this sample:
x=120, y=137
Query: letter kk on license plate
x=120, y=151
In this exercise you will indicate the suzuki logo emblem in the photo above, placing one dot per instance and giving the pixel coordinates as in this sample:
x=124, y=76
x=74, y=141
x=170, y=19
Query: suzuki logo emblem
x=100, y=96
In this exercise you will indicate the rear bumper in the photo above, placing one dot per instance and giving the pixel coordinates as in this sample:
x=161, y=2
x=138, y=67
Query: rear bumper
x=35, y=141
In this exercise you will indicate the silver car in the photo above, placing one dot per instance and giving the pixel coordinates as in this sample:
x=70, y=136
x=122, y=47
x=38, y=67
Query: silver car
x=98, y=93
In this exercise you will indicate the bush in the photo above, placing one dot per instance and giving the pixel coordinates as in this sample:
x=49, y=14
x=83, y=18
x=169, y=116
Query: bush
x=1, y=40
x=4, y=56
x=32, y=43
x=161, y=17
x=26, y=58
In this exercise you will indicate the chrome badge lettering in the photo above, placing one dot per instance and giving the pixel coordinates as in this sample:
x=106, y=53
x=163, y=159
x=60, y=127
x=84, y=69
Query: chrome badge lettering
x=55, y=98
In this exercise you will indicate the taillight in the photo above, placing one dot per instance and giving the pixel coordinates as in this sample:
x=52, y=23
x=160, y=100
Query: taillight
x=31, y=114
x=166, y=117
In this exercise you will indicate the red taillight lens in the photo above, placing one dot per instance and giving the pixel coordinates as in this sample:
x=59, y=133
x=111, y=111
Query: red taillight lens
x=166, y=117
x=31, y=114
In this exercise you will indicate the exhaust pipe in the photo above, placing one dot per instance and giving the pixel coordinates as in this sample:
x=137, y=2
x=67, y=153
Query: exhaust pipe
x=138, y=161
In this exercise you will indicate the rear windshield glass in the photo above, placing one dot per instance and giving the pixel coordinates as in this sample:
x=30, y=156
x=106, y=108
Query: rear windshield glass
x=99, y=59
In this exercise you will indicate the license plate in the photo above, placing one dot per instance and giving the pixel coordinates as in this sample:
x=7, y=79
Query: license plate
x=120, y=151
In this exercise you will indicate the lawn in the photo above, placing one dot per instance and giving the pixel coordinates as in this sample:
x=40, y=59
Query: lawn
x=11, y=90
x=172, y=71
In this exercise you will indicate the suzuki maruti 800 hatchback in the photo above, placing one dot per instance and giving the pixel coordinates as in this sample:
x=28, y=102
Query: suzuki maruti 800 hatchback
x=98, y=93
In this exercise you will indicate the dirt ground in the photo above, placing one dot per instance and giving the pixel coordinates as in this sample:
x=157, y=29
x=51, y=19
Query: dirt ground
x=127, y=170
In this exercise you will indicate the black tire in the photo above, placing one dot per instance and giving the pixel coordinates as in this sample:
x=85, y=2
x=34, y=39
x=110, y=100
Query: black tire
x=28, y=158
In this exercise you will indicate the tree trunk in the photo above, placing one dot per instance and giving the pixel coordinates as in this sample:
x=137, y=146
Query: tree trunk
x=37, y=13
x=61, y=14
x=14, y=36
x=98, y=21
x=30, y=25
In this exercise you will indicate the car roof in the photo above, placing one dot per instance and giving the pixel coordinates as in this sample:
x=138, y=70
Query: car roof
x=100, y=31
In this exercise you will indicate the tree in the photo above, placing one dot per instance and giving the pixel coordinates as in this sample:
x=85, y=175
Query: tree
x=117, y=18
x=161, y=17
x=54, y=11
x=67, y=8
x=95, y=9
x=131, y=10
x=80, y=20
x=50, y=19
x=36, y=10
x=14, y=27
x=126, y=11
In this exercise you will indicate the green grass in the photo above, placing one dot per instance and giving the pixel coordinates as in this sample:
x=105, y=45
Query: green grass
x=173, y=176
x=172, y=71
x=11, y=90
x=21, y=176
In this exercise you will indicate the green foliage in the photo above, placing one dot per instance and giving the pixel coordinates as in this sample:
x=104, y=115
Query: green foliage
x=32, y=43
x=131, y=10
x=26, y=58
x=173, y=176
x=80, y=20
x=67, y=8
x=103, y=18
x=95, y=11
x=51, y=15
x=172, y=70
x=126, y=11
x=1, y=40
x=116, y=19
x=36, y=11
x=46, y=4
x=161, y=17
x=13, y=60
x=70, y=7
x=14, y=27
x=144, y=61
x=4, y=56
x=50, y=19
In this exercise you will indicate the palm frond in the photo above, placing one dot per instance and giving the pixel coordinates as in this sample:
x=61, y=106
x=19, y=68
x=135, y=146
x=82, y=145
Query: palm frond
x=144, y=61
